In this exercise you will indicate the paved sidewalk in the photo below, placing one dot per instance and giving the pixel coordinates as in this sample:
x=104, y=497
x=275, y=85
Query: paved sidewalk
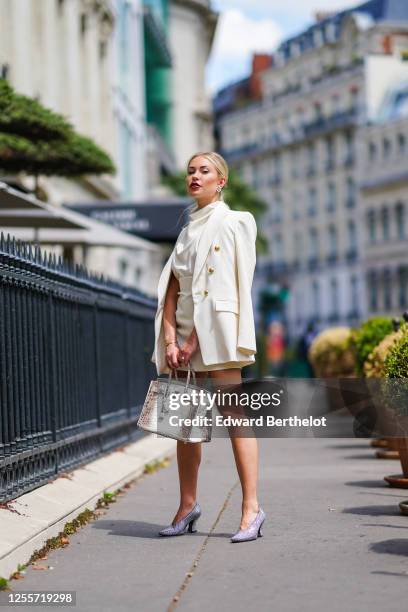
x=333, y=538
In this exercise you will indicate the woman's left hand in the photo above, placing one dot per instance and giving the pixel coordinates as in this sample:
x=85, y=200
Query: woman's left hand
x=188, y=349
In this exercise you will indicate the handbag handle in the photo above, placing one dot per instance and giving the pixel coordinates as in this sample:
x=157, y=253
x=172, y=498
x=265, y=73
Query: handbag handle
x=190, y=370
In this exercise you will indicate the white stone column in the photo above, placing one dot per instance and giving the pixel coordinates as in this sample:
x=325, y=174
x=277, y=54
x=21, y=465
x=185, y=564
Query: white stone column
x=73, y=92
x=50, y=59
x=22, y=49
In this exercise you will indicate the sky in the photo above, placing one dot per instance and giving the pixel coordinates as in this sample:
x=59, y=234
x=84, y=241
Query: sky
x=248, y=26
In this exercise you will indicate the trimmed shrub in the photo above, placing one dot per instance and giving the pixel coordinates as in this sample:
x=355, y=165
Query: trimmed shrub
x=331, y=353
x=374, y=366
x=368, y=336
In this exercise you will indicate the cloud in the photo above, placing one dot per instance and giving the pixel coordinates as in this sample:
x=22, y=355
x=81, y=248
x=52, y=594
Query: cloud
x=248, y=26
x=303, y=9
x=237, y=38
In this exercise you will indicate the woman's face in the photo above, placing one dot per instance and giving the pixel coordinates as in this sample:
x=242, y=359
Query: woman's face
x=203, y=179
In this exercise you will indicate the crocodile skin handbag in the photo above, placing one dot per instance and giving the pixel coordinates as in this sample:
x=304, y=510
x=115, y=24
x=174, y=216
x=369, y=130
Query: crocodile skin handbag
x=176, y=409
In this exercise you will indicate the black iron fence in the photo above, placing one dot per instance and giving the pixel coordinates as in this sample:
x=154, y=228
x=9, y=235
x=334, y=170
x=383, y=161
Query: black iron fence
x=75, y=364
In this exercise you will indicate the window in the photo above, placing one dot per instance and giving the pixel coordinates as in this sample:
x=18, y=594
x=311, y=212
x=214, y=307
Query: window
x=372, y=151
x=385, y=222
x=402, y=286
x=330, y=160
x=331, y=197
x=277, y=249
x=334, y=296
x=372, y=228
x=387, y=288
x=312, y=209
x=277, y=208
x=298, y=248
x=102, y=49
x=335, y=104
x=402, y=144
x=83, y=23
x=400, y=220
x=354, y=294
x=386, y=147
x=351, y=236
x=313, y=243
x=349, y=149
x=372, y=291
x=315, y=298
x=123, y=267
x=354, y=98
x=138, y=274
x=350, y=189
x=311, y=159
x=294, y=160
x=332, y=242
x=295, y=205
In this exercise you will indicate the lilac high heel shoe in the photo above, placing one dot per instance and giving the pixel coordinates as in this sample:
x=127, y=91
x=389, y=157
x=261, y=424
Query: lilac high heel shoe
x=180, y=527
x=251, y=532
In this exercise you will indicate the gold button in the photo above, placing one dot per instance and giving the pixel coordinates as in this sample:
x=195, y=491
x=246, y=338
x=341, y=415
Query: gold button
x=216, y=248
x=205, y=292
x=210, y=270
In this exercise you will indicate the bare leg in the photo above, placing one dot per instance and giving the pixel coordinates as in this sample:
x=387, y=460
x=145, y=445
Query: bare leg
x=188, y=462
x=245, y=453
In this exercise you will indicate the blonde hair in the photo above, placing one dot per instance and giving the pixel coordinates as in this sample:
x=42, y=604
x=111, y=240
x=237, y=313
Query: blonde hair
x=217, y=160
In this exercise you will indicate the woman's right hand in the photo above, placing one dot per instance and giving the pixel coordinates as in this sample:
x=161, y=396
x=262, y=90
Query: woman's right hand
x=173, y=355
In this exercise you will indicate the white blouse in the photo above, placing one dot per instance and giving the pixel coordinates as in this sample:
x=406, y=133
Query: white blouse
x=186, y=245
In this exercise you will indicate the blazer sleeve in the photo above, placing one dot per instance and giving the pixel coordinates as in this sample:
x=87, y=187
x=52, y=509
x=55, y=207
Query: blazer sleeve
x=245, y=253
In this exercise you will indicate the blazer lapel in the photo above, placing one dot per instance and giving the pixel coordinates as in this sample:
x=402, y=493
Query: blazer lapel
x=207, y=235
x=204, y=244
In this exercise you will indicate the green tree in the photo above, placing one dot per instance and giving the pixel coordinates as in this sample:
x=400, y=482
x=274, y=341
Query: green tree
x=38, y=141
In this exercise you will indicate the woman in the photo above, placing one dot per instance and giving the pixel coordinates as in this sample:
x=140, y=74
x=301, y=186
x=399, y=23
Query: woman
x=205, y=319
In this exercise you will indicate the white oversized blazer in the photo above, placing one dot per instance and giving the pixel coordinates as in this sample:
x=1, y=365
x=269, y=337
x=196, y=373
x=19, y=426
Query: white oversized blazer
x=221, y=290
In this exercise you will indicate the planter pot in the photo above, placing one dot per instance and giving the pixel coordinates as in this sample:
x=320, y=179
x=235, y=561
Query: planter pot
x=380, y=443
x=403, y=506
x=400, y=480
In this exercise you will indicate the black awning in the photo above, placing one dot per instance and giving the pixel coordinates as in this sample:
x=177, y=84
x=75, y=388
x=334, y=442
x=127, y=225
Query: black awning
x=158, y=221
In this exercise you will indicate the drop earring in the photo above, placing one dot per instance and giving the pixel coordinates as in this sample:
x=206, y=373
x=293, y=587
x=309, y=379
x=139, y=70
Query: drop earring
x=219, y=188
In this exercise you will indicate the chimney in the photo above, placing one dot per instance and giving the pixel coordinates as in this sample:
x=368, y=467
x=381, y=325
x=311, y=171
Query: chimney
x=260, y=62
x=322, y=15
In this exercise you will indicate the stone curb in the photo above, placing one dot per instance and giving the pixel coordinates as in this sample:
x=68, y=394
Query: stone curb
x=43, y=512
